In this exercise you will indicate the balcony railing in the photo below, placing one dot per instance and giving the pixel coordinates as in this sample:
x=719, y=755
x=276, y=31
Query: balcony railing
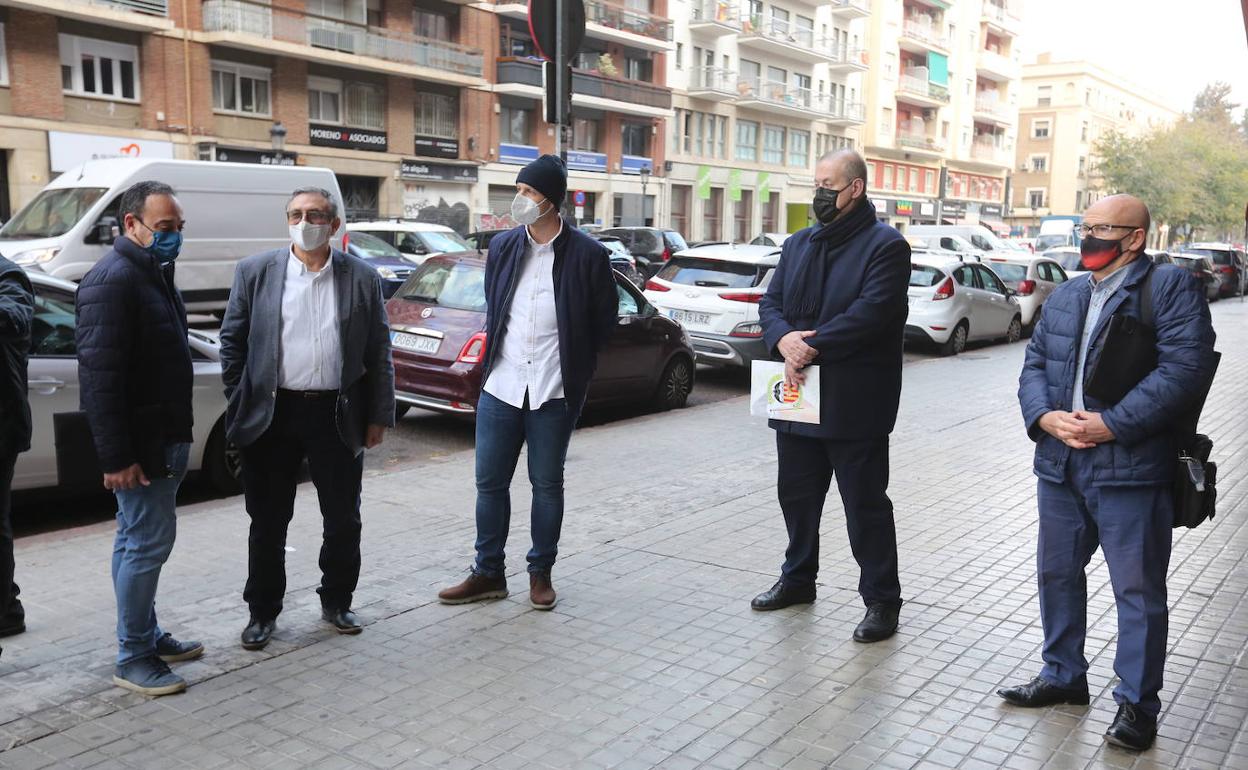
x=632, y=91
x=525, y=72
x=713, y=79
x=624, y=19
x=921, y=87
x=925, y=33
x=845, y=55
x=993, y=107
x=839, y=109
x=988, y=151
x=920, y=141
x=716, y=11
x=149, y=7
x=1000, y=14
x=840, y=5
x=798, y=98
x=995, y=62
x=275, y=23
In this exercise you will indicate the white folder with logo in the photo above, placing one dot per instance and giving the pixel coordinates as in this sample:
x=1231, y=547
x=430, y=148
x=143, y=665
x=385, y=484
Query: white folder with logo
x=771, y=398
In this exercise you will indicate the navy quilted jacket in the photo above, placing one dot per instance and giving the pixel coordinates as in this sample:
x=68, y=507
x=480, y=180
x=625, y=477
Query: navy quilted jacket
x=133, y=357
x=1144, y=451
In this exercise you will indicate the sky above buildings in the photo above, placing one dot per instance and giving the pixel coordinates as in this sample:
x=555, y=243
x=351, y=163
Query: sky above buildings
x=1173, y=50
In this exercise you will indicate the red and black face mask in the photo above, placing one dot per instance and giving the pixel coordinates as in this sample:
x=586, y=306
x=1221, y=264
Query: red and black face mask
x=1099, y=252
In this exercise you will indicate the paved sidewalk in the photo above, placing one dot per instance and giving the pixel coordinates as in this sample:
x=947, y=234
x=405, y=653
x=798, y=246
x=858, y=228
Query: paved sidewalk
x=653, y=657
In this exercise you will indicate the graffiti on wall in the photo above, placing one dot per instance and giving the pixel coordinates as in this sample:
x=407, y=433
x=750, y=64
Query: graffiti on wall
x=421, y=205
x=496, y=222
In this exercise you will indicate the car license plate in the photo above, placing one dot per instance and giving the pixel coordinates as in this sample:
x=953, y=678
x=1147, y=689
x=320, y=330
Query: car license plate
x=415, y=342
x=690, y=317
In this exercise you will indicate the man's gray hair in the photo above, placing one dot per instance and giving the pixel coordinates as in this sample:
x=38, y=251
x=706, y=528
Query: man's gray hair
x=321, y=191
x=134, y=199
x=855, y=167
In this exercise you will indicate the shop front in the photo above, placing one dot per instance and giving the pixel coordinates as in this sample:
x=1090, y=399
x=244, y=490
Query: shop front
x=438, y=193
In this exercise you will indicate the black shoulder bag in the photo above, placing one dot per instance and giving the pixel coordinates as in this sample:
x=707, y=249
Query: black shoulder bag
x=1129, y=354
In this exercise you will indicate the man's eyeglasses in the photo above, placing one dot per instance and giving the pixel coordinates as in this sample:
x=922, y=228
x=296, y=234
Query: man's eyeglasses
x=314, y=217
x=1102, y=231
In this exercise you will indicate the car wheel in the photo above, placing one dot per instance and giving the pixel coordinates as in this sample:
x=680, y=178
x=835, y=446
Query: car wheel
x=223, y=462
x=1015, y=332
x=957, y=340
x=674, y=385
x=400, y=409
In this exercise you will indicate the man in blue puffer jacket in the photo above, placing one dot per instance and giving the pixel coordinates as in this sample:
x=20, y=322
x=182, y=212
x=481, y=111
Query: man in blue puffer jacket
x=1105, y=469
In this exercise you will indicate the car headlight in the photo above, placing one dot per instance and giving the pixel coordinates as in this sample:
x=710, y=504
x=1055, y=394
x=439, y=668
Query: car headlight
x=387, y=273
x=37, y=256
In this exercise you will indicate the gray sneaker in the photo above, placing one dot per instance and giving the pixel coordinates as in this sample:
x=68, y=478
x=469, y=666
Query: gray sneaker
x=148, y=676
x=171, y=650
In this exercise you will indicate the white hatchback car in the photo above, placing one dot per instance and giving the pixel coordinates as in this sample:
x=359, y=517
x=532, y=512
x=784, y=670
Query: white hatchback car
x=53, y=383
x=1034, y=278
x=416, y=240
x=954, y=302
x=714, y=291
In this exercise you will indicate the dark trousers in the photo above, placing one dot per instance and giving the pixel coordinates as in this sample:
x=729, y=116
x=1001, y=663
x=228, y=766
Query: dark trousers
x=1132, y=526
x=12, y=614
x=301, y=428
x=806, y=468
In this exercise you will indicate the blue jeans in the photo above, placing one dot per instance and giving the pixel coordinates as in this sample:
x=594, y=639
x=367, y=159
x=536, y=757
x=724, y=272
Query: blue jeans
x=146, y=526
x=1132, y=526
x=501, y=430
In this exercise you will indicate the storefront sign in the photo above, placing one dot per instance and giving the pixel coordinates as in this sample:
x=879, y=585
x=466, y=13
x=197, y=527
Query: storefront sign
x=261, y=157
x=633, y=164
x=927, y=209
x=436, y=147
x=436, y=172
x=905, y=208
x=519, y=154
x=764, y=186
x=579, y=160
x=990, y=210
x=704, y=182
x=734, y=185
x=348, y=138
x=66, y=150
x=952, y=208
x=881, y=206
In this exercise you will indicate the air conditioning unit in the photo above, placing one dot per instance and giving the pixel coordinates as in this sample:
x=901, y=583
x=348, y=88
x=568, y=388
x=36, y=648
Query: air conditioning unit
x=1022, y=167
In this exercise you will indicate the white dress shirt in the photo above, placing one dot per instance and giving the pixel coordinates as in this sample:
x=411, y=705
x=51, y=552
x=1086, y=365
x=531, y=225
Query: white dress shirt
x=311, y=345
x=528, y=362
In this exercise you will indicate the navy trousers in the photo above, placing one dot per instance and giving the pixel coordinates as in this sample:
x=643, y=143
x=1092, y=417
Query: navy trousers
x=806, y=468
x=1132, y=526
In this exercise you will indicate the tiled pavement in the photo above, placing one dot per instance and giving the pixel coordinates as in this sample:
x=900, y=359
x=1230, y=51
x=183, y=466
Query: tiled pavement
x=653, y=657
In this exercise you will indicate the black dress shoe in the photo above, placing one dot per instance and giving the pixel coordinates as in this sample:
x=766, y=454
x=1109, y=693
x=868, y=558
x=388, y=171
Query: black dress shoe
x=1042, y=692
x=1132, y=729
x=879, y=623
x=344, y=621
x=257, y=633
x=778, y=597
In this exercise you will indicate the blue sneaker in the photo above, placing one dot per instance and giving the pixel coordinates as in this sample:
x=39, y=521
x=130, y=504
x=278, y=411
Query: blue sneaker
x=171, y=650
x=148, y=676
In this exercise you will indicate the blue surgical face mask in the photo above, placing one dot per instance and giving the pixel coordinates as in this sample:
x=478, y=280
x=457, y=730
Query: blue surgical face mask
x=164, y=246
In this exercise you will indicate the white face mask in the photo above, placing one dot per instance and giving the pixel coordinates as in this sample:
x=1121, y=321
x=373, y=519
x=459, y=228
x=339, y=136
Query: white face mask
x=309, y=237
x=524, y=210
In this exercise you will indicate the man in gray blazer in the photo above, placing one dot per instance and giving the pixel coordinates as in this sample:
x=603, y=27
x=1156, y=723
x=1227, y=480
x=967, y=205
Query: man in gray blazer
x=305, y=355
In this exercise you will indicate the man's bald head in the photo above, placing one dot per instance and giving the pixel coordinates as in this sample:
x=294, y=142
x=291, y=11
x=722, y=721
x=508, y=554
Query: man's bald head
x=843, y=167
x=844, y=174
x=1121, y=209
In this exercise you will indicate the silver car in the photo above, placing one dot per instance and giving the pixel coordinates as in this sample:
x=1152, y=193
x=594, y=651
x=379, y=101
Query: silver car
x=53, y=383
x=1034, y=278
x=954, y=302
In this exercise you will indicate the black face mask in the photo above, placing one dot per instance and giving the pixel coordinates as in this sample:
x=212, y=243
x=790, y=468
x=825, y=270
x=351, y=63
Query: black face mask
x=825, y=204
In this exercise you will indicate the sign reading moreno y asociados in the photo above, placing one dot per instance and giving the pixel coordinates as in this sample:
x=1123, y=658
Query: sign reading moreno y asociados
x=347, y=138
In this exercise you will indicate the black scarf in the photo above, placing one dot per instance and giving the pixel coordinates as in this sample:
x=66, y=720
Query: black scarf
x=803, y=295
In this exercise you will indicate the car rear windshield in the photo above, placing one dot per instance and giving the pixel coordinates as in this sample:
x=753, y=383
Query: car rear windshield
x=699, y=271
x=675, y=241
x=1008, y=271
x=1218, y=256
x=924, y=276
x=372, y=246
x=454, y=285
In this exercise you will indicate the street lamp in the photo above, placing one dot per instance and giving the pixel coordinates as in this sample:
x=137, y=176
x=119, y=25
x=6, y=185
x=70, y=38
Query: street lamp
x=645, y=177
x=277, y=135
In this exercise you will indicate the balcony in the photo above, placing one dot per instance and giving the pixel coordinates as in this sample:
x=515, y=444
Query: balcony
x=917, y=90
x=523, y=77
x=274, y=30
x=997, y=67
x=849, y=9
x=846, y=59
x=714, y=19
x=638, y=29
x=843, y=113
x=921, y=143
x=781, y=98
x=994, y=111
x=137, y=15
x=921, y=37
x=713, y=84
x=1000, y=19
x=780, y=38
x=991, y=153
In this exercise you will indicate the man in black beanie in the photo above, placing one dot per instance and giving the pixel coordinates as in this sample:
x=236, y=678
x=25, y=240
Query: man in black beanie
x=551, y=305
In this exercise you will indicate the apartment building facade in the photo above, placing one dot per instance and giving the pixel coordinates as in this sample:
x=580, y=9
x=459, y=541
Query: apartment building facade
x=943, y=95
x=761, y=89
x=1066, y=107
x=422, y=109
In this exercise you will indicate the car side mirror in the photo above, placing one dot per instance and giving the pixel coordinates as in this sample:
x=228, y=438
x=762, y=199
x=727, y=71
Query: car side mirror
x=626, y=320
x=1011, y=292
x=104, y=232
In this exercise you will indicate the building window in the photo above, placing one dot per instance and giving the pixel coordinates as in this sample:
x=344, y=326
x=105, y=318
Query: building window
x=4, y=64
x=1039, y=163
x=238, y=88
x=681, y=194
x=888, y=177
x=747, y=141
x=680, y=56
x=638, y=69
x=437, y=115
x=430, y=24
x=361, y=105
x=799, y=148
x=686, y=132
x=92, y=67
x=585, y=134
x=711, y=208
x=929, y=182
x=914, y=180
x=1035, y=198
x=1044, y=96
x=1040, y=128
x=514, y=125
x=721, y=142
x=1083, y=133
x=773, y=145
x=699, y=123
x=742, y=213
x=870, y=175
x=771, y=213
x=635, y=139
x=324, y=100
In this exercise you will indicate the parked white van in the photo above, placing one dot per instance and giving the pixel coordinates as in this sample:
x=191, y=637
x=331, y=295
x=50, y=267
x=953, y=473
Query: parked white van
x=232, y=210
x=980, y=237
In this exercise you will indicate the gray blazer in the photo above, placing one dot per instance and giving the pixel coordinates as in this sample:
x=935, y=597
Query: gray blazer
x=251, y=333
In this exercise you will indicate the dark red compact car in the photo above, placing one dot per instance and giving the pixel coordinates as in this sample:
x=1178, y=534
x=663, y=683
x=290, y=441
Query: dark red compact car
x=437, y=334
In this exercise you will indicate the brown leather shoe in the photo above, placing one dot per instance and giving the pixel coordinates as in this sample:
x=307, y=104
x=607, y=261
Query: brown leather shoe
x=541, y=592
x=476, y=588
